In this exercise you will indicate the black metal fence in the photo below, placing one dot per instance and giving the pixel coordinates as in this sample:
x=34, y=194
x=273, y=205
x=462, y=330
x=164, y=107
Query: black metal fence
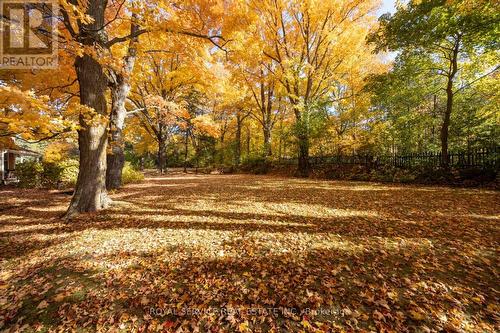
x=483, y=157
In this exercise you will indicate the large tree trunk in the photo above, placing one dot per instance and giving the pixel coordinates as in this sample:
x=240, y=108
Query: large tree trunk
x=222, y=155
x=116, y=157
x=248, y=142
x=303, y=158
x=281, y=143
x=302, y=129
x=162, y=158
x=267, y=141
x=445, y=126
x=120, y=89
x=237, y=152
x=90, y=190
x=445, y=159
x=186, y=145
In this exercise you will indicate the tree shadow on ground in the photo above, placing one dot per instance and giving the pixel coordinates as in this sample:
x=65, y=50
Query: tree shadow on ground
x=143, y=290
x=371, y=257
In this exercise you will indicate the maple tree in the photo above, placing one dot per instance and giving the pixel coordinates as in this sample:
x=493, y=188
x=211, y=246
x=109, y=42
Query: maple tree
x=151, y=22
x=305, y=42
x=250, y=66
x=91, y=32
x=164, y=77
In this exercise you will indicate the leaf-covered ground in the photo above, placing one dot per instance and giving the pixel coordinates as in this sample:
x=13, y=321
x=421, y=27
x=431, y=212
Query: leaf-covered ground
x=214, y=253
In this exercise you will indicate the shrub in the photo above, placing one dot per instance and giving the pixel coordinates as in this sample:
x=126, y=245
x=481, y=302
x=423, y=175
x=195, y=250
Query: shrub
x=33, y=174
x=51, y=175
x=479, y=175
x=61, y=174
x=258, y=165
x=434, y=175
x=131, y=175
x=227, y=169
x=29, y=174
x=69, y=174
x=403, y=176
x=358, y=173
x=382, y=174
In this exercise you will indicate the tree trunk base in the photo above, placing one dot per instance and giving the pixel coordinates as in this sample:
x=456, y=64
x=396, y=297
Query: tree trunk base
x=77, y=207
x=115, y=163
x=301, y=173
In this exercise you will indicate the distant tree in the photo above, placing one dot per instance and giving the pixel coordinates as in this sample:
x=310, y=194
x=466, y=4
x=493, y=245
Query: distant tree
x=407, y=100
x=448, y=33
x=304, y=43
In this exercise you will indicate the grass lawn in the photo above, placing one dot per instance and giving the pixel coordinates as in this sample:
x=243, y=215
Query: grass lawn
x=229, y=253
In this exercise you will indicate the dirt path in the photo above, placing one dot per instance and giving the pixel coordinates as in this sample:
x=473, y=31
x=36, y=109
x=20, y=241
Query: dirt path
x=252, y=253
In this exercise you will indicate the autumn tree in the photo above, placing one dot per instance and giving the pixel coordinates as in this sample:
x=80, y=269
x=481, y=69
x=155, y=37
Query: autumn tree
x=119, y=84
x=407, y=101
x=156, y=98
x=162, y=87
x=235, y=104
x=85, y=59
x=449, y=34
x=87, y=28
x=193, y=99
x=305, y=42
x=87, y=24
x=261, y=84
x=241, y=114
x=161, y=22
x=267, y=104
